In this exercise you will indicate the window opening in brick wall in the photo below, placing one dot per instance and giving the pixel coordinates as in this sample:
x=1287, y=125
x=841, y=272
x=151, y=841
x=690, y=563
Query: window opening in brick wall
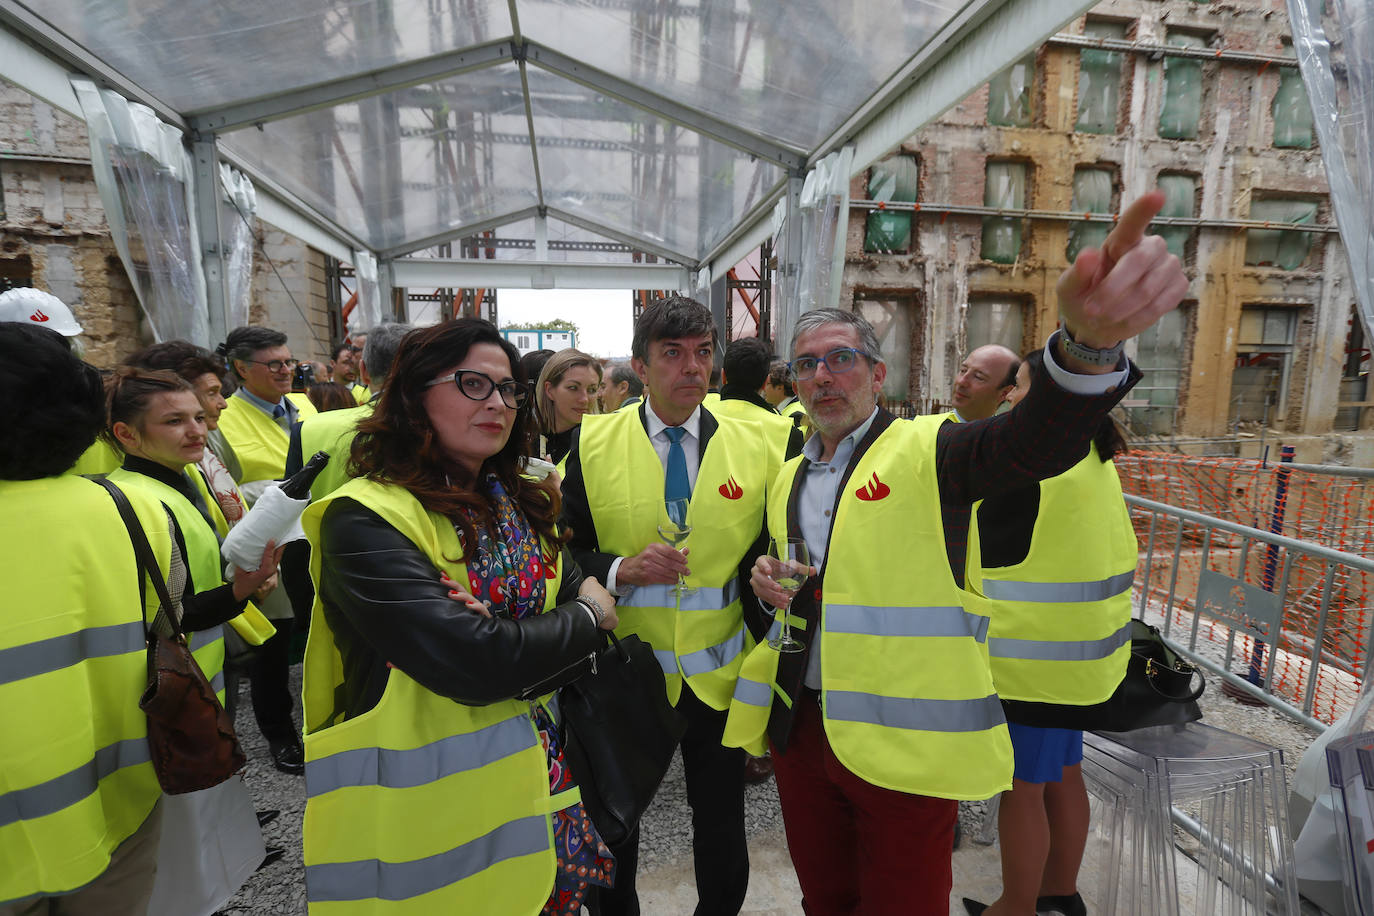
x=1264, y=360
x=15, y=272
x=1354, y=374
x=1092, y=193
x=1284, y=248
x=1099, y=81
x=1152, y=406
x=1004, y=186
x=1180, y=199
x=892, y=315
x=1293, y=122
x=1009, y=94
x=892, y=180
x=1181, y=110
x=2, y=195
x=995, y=320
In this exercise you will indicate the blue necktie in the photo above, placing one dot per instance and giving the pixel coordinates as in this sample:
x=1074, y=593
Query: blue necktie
x=675, y=484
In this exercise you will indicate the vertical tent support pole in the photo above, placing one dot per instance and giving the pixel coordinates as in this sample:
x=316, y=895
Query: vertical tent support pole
x=206, y=188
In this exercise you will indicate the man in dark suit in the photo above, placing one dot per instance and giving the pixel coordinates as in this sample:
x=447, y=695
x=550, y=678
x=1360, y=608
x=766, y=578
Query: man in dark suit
x=622, y=470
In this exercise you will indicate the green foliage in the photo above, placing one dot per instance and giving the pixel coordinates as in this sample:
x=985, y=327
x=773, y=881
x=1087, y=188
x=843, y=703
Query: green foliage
x=555, y=324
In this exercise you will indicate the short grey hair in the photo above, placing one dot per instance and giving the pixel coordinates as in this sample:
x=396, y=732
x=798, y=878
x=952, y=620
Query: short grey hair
x=383, y=340
x=868, y=338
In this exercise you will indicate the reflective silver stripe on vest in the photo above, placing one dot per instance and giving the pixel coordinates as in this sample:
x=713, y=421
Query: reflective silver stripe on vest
x=373, y=879
x=920, y=715
x=404, y=769
x=705, y=599
x=1084, y=650
x=869, y=620
x=667, y=660
x=1058, y=592
x=217, y=682
x=202, y=638
x=753, y=693
x=58, y=652
x=71, y=787
x=704, y=661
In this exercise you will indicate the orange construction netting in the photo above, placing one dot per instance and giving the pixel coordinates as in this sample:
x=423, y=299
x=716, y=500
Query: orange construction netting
x=1320, y=508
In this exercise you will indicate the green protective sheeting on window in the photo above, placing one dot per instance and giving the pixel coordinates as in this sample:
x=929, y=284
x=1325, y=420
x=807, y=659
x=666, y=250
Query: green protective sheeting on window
x=1159, y=354
x=1092, y=193
x=1182, y=108
x=1099, y=81
x=1293, y=126
x=893, y=180
x=1009, y=94
x=1005, y=186
x=1285, y=248
x=1180, y=199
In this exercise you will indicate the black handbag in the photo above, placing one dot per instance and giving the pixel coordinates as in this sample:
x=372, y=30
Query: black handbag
x=619, y=734
x=1157, y=690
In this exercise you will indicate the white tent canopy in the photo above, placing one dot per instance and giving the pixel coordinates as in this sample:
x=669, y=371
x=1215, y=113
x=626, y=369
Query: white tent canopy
x=392, y=126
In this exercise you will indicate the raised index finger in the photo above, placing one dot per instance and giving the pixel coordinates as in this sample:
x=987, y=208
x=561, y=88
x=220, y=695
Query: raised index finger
x=1130, y=229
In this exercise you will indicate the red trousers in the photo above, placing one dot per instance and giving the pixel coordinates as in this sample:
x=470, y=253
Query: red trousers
x=860, y=850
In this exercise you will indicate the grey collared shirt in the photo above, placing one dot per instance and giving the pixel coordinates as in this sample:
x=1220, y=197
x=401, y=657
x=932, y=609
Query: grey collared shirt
x=269, y=408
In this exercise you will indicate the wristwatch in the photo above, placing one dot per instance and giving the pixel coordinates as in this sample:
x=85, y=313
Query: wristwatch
x=1108, y=356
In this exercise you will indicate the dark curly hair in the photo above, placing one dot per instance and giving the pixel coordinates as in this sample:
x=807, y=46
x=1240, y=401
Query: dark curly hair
x=397, y=443
x=51, y=403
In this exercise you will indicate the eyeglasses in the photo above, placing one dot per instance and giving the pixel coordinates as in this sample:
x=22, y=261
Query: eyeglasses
x=478, y=386
x=275, y=365
x=354, y=348
x=841, y=359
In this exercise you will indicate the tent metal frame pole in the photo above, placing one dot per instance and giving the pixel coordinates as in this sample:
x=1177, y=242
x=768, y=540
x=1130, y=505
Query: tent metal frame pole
x=205, y=159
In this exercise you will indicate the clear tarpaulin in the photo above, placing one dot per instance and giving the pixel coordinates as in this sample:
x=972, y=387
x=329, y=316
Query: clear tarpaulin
x=143, y=174
x=1344, y=123
x=236, y=214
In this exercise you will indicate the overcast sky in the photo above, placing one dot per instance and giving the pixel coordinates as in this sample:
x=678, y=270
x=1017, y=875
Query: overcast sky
x=602, y=316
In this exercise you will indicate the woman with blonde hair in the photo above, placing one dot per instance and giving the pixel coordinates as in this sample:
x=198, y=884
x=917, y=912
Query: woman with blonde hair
x=566, y=392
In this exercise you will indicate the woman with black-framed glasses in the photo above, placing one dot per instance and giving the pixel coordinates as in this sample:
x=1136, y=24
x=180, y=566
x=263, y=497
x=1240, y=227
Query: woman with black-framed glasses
x=448, y=610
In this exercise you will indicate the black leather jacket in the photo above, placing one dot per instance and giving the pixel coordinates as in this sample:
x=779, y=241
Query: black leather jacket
x=384, y=603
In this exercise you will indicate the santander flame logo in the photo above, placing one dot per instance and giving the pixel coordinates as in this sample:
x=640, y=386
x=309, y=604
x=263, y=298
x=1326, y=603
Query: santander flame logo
x=731, y=490
x=38, y=315
x=873, y=491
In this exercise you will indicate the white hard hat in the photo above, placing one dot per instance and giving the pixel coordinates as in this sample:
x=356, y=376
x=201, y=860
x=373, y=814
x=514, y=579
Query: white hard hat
x=45, y=309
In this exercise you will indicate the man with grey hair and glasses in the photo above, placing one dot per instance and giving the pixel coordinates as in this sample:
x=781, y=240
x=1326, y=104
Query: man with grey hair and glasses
x=887, y=716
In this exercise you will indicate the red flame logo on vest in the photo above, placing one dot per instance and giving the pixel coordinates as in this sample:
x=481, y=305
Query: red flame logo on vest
x=873, y=491
x=731, y=490
x=550, y=564
x=38, y=316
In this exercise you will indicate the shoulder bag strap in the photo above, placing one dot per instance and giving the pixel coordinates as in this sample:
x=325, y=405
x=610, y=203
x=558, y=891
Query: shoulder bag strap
x=144, y=552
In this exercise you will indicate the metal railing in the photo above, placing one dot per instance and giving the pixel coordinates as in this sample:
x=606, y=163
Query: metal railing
x=1290, y=604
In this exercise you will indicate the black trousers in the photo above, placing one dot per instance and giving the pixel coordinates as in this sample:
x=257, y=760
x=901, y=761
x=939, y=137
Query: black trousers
x=270, y=675
x=715, y=791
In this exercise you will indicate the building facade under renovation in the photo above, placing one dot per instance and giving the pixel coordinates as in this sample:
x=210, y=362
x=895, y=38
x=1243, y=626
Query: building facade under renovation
x=958, y=238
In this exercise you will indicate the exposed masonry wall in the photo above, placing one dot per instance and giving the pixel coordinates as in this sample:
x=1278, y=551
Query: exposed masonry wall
x=1233, y=158
x=54, y=230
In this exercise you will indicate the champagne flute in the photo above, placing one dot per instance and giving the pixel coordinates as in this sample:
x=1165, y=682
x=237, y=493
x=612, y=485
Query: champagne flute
x=789, y=572
x=673, y=534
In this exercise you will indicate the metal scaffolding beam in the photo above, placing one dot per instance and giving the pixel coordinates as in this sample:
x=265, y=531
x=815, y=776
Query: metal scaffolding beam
x=428, y=273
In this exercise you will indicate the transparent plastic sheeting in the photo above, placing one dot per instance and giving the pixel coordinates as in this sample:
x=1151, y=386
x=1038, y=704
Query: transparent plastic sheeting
x=143, y=173
x=1344, y=120
x=368, y=312
x=237, y=210
x=409, y=164
x=755, y=63
x=809, y=233
x=637, y=173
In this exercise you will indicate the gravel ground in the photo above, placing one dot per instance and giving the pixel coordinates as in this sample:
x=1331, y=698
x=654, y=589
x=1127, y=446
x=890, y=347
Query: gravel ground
x=665, y=833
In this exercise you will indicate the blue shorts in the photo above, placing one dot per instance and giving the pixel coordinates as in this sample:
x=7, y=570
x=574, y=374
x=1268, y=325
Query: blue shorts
x=1042, y=753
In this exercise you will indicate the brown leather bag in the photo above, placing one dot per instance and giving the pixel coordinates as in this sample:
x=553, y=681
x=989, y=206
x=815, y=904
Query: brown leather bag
x=190, y=736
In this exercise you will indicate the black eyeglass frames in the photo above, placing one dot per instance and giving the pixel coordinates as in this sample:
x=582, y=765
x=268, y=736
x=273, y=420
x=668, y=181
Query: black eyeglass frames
x=478, y=386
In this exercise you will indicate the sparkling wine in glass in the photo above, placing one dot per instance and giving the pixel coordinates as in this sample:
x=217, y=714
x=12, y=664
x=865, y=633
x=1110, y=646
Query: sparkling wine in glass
x=789, y=572
x=674, y=534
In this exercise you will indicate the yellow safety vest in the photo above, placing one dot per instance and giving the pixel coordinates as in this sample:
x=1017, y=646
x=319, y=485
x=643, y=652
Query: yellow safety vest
x=100, y=458
x=421, y=805
x=361, y=393
x=777, y=428
x=906, y=690
x=202, y=558
x=1061, y=621
x=333, y=432
x=258, y=442
x=795, y=408
x=75, y=775
x=701, y=637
